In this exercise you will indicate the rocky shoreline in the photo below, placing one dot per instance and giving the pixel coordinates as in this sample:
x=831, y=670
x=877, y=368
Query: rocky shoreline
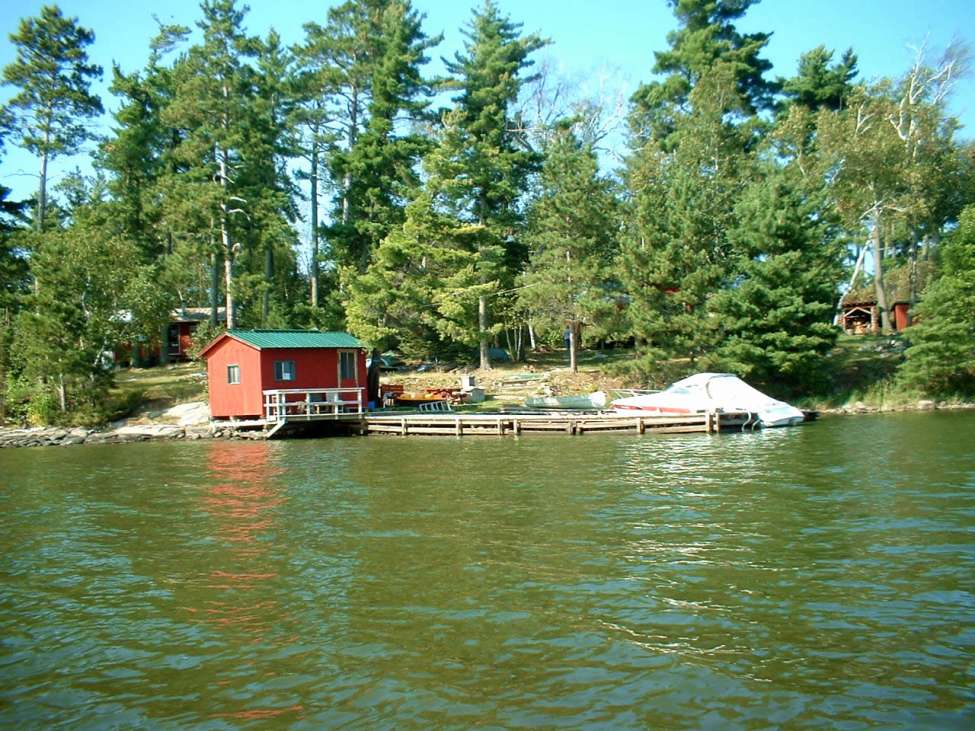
x=66, y=437
x=925, y=405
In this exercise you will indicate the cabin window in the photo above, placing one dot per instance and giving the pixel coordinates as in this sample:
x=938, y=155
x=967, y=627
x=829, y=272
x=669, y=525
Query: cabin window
x=284, y=370
x=347, y=365
x=233, y=374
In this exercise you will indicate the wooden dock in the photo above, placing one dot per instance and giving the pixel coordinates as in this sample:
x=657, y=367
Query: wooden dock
x=575, y=424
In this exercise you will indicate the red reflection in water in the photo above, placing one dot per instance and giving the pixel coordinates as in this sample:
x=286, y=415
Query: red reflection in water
x=243, y=495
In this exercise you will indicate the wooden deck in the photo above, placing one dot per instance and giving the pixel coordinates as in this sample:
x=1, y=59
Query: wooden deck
x=456, y=424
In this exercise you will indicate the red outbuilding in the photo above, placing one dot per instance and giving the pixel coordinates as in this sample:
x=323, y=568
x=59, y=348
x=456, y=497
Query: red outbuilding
x=262, y=373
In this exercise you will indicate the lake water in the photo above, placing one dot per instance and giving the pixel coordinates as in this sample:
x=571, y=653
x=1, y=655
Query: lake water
x=815, y=577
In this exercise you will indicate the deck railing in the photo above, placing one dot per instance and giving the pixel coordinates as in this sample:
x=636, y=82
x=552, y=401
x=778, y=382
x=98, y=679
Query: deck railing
x=308, y=404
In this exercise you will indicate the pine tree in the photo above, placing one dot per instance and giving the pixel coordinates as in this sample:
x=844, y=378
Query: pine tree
x=820, y=85
x=941, y=357
x=677, y=252
x=139, y=152
x=212, y=107
x=489, y=74
x=776, y=318
x=706, y=38
x=381, y=167
x=53, y=76
x=572, y=230
x=420, y=292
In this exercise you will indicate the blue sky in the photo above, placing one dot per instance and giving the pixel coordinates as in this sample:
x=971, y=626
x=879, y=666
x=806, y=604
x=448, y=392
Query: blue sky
x=598, y=43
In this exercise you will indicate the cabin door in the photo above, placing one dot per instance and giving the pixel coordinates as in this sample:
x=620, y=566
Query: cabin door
x=348, y=373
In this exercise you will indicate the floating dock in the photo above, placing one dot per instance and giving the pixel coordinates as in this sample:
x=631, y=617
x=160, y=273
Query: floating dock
x=573, y=424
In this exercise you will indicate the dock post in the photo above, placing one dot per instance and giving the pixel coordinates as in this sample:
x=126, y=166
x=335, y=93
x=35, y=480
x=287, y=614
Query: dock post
x=717, y=422
x=500, y=427
x=517, y=427
x=402, y=427
x=458, y=426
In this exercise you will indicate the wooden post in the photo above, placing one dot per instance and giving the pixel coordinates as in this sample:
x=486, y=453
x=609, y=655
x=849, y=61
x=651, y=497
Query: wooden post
x=707, y=421
x=500, y=427
x=641, y=426
x=402, y=427
x=458, y=426
x=517, y=426
x=717, y=422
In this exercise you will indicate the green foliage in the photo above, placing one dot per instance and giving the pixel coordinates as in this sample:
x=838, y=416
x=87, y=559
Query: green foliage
x=705, y=40
x=204, y=334
x=572, y=239
x=819, y=85
x=775, y=318
x=52, y=75
x=378, y=168
x=941, y=357
x=677, y=253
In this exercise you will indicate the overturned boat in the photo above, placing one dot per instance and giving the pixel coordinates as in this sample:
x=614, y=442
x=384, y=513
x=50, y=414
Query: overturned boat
x=705, y=392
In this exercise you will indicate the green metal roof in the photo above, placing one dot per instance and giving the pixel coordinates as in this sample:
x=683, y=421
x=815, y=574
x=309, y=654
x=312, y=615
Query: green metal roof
x=295, y=339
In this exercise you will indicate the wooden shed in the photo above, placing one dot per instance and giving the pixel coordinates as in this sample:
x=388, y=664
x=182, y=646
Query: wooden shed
x=267, y=373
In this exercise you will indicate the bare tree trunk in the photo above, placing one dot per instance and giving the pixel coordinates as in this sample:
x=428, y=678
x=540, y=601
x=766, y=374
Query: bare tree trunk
x=313, y=273
x=226, y=244
x=912, y=275
x=482, y=325
x=573, y=344
x=531, y=335
x=268, y=279
x=878, y=277
x=62, y=393
x=214, y=289
x=42, y=194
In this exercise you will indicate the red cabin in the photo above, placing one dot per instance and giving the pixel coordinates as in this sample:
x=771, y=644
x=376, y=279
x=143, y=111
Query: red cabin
x=298, y=371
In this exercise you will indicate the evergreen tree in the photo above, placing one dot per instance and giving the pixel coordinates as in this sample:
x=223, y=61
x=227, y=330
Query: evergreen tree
x=941, y=357
x=381, y=167
x=213, y=109
x=497, y=161
x=139, y=152
x=420, y=292
x=819, y=85
x=572, y=230
x=706, y=38
x=53, y=76
x=677, y=253
x=776, y=317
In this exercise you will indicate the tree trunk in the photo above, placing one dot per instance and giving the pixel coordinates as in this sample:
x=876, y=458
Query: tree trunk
x=226, y=244
x=228, y=273
x=878, y=278
x=268, y=281
x=531, y=336
x=214, y=289
x=573, y=345
x=912, y=275
x=482, y=325
x=313, y=272
x=62, y=393
x=42, y=194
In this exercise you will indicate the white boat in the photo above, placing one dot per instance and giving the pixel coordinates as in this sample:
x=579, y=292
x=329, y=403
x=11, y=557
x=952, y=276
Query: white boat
x=704, y=392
